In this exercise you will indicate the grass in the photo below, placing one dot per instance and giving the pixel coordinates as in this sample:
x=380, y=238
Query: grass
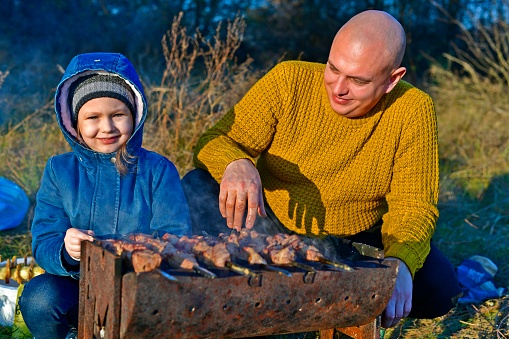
x=202, y=79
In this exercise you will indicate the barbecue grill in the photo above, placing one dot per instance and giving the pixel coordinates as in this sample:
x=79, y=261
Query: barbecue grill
x=117, y=302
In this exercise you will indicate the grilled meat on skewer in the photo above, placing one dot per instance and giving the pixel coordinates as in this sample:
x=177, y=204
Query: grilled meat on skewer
x=168, y=251
x=171, y=238
x=172, y=255
x=248, y=252
x=247, y=245
x=311, y=253
x=212, y=251
x=266, y=246
x=142, y=256
x=284, y=249
x=145, y=260
x=120, y=247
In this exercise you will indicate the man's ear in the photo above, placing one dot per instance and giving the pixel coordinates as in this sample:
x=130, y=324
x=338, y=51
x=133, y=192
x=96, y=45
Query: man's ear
x=395, y=77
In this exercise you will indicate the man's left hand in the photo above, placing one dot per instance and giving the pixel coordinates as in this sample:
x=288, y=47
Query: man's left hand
x=400, y=304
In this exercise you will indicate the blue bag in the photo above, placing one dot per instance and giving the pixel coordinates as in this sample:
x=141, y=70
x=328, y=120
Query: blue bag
x=476, y=277
x=13, y=204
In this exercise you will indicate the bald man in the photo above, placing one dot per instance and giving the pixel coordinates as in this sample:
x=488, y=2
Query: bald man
x=345, y=149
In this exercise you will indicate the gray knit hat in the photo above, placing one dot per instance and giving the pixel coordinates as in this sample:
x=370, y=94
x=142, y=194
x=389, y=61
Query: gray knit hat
x=96, y=86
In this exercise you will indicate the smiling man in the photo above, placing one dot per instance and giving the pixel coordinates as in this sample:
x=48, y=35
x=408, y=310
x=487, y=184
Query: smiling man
x=345, y=149
x=364, y=63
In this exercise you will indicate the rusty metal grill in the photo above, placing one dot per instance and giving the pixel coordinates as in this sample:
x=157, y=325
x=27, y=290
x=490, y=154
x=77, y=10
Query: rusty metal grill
x=116, y=302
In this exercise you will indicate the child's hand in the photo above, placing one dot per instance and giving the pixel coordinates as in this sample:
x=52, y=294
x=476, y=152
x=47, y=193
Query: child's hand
x=73, y=239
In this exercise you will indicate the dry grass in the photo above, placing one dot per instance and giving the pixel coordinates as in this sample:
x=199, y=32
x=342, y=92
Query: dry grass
x=27, y=146
x=202, y=80
x=487, y=320
x=474, y=141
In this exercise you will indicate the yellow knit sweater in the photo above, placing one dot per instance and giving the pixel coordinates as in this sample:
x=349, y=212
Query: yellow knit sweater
x=326, y=174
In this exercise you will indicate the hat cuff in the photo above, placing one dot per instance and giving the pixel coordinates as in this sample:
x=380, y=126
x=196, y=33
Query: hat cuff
x=101, y=94
x=98, y=86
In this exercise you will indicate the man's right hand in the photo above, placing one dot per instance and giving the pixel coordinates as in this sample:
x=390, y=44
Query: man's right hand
x=241, y=187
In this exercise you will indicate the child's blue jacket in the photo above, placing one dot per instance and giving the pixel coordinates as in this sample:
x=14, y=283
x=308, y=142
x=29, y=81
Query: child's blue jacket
x=82, y=188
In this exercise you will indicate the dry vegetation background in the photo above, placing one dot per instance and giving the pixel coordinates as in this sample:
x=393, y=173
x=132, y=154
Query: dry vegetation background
x=202, y=80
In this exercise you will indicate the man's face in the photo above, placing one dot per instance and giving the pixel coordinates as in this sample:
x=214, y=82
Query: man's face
x=355, y=78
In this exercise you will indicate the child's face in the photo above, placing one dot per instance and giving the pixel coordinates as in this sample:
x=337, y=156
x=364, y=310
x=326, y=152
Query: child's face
x=105, y=124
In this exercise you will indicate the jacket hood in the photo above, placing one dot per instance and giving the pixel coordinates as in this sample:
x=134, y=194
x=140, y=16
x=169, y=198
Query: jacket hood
x=99, y=63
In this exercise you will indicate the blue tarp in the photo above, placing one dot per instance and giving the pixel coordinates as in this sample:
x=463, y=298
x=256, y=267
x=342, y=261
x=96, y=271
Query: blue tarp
x=13, y=204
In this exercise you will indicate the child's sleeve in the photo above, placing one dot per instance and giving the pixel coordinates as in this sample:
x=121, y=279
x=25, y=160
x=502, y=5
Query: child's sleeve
x=170, y=212
x=49, y=226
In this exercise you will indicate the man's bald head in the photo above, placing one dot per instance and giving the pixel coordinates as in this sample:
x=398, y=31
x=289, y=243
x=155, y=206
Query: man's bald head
x=375, y=30
x=364, y=63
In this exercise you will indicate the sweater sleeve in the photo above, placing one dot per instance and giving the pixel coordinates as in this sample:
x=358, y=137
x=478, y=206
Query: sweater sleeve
x=244, y=131
x=412, y=202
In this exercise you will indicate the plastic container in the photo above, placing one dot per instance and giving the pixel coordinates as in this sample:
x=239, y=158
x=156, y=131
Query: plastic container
x=8, y=296
x=13, y=204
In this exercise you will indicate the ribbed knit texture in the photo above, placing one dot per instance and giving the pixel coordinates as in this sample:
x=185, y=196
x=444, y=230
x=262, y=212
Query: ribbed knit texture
x=326, y=174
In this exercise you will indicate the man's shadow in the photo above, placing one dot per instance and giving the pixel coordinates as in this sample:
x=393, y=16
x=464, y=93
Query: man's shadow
x=301, y=191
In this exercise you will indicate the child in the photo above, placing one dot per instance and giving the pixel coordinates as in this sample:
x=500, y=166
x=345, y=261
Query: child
x=108, y=186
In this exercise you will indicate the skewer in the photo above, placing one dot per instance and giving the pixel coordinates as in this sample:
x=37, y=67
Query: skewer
x=31, y=270
x=369, y=251
x=96, y=241
x=278, y=270
x=240, y=269
x=204, y=272
x=8, y=271
x=247, y=253
x=179, y=260
x=303, y=266
x=18, y=274
x=309, y=276
x=336, y=264
x=311, y=253
x=166, y=275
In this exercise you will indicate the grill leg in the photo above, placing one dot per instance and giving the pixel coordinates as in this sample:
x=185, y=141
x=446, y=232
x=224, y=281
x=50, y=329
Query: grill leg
x=368, y=331
x=327, y=334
